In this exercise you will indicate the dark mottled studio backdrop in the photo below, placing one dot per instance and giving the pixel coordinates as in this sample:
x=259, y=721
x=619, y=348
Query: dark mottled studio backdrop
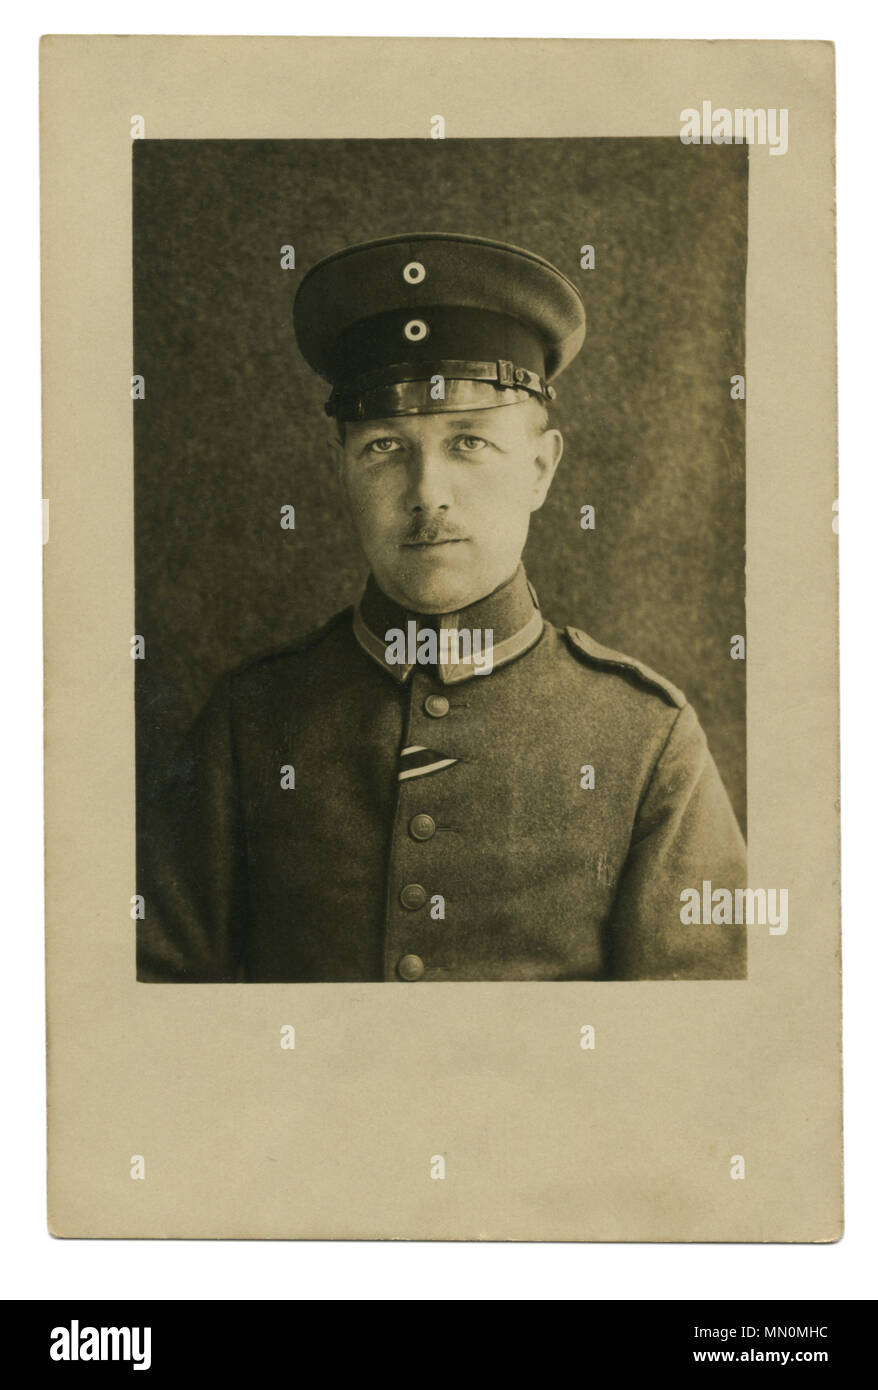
x=232, y=426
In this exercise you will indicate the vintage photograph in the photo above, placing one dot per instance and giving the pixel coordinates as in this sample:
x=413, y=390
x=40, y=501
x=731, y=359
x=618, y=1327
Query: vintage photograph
x=441, y=540
x=439, y=462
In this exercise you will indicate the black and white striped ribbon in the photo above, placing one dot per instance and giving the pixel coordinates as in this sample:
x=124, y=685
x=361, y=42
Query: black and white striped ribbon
x=417, y=761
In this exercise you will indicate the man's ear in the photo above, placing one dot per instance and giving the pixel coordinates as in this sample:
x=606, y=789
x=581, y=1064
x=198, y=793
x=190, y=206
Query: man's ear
x=550, y=447
x=336, y=454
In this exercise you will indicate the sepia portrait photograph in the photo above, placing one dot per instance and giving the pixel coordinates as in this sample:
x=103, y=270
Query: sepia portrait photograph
x=439, y=462
x=440, y=591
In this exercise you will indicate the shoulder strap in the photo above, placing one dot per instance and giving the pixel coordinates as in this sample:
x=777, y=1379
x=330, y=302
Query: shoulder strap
x=598, y=655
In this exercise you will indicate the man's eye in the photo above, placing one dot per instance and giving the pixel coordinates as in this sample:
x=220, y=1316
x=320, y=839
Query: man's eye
x=384, y=446
x=470, y=443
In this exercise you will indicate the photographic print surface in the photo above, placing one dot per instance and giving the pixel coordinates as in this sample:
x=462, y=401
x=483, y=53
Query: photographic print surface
x=441, y=590
x=286, y=826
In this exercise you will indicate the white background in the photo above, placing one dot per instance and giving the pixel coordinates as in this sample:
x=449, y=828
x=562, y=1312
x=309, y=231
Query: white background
x=38, y=1267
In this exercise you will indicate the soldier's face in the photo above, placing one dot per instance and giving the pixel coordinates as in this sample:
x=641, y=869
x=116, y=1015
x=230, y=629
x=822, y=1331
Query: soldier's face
x=442, y=503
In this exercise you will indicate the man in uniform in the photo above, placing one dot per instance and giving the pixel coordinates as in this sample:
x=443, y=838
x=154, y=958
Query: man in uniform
x=440, y=784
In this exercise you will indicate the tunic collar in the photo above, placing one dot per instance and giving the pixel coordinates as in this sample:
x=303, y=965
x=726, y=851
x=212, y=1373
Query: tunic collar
x=510, y=614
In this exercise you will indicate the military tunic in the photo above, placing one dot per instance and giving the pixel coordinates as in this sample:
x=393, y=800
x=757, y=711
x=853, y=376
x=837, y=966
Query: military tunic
x=337, y=817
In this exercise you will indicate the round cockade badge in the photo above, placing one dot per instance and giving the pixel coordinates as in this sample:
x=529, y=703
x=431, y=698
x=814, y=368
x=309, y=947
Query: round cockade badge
x=414, y=273
x=416, y=330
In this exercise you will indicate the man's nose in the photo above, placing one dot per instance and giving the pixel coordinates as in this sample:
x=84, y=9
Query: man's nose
x=429, y=482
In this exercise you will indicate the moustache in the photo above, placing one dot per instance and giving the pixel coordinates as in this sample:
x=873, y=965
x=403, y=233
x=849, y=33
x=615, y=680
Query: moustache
x=430, y=532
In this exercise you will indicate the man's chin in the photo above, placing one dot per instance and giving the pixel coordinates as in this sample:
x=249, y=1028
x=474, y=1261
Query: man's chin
x=433, y=594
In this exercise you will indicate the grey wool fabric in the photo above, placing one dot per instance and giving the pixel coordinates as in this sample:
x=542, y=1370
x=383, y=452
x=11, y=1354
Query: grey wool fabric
x=505, y=864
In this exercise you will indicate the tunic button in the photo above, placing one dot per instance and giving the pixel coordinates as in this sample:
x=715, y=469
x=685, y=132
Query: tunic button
x=437, y=706
x=411, y=967
x=413, y=895
x=422, y=827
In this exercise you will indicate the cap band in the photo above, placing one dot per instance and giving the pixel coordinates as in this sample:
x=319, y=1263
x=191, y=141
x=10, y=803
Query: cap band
x=412, y=387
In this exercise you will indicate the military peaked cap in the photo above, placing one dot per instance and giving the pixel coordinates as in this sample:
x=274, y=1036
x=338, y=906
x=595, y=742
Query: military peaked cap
x=433, y=322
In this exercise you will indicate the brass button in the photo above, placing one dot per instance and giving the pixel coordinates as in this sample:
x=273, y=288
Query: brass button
x=413, y=895
x=410, y=968
x=422, y=827
x=437, y=706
